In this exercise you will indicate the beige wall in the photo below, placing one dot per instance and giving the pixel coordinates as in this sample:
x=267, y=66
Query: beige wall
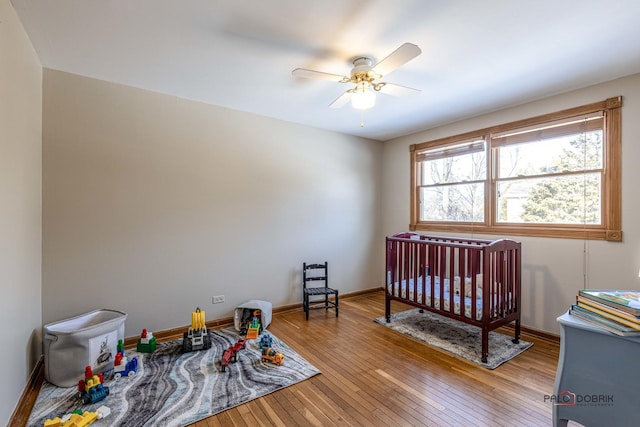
x=20, y=208
x=153, y=204
x=553, y=269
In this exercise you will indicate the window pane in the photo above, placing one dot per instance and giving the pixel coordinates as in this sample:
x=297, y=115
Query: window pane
x=468, y=167
x=564, y=154
x=462, y=203
x=573, y=199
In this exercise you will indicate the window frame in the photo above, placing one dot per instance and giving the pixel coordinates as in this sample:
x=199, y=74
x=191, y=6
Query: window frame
x=611, y=227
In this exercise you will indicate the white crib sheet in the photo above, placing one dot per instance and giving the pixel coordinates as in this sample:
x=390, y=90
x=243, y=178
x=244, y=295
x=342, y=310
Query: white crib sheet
x=401, y=292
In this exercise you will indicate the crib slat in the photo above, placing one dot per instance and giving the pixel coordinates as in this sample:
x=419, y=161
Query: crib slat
x=433, y=263
x=474, y=285
x=442, y=253
x=416, y=271
x=498, y=269
x=462, y=272
x=424, y=270
x=487, y=278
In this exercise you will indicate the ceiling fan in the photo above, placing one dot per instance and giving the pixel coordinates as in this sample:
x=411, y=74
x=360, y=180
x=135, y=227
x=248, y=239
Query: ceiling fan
x=366, y=78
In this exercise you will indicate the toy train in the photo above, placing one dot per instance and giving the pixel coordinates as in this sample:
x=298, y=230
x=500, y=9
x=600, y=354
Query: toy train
x=92, y=389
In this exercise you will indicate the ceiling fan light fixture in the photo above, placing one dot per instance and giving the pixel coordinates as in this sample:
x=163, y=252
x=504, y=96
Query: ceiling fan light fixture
x=363, y=97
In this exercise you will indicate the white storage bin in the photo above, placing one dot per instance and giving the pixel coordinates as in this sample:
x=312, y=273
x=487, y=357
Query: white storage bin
x=90, y=339
x=265, y=308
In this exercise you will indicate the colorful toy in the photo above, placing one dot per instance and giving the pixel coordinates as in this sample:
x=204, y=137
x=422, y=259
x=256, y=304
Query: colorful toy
x=266, y=340
x=197, y=337
x=251, y=326
x=254, y=329
x=146, y=342
x=78, y=418
x=270, y=355
x=122, y=366
x=91, y=389
x=231, y=354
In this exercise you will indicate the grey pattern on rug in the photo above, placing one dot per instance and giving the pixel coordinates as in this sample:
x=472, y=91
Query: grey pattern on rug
x=456, y=337
x=173, y=388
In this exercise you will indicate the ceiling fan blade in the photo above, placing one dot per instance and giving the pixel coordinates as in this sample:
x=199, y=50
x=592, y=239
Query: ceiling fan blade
x=342, y=99
x=312, y=74
x=398, y=90
x=397, y=58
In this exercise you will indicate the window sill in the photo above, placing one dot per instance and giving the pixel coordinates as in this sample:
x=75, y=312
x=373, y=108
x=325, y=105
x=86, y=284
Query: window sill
x=520, y=230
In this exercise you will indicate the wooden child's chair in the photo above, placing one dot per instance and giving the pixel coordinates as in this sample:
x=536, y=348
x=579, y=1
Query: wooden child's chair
x=312, y=274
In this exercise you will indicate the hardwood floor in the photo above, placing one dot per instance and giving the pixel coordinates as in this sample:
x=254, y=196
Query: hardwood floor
x=373, y=376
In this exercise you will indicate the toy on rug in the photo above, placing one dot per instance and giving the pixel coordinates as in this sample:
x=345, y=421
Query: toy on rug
x=270, y=355
x=254, y=329
x=91, y=389
x=197, y=337
x=231, y=354
x=251, y=326
x=122, y=366
x=78, y=418
x=266, y=340
x=146, y=342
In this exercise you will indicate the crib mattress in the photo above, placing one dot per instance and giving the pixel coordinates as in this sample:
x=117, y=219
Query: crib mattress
x=406, y=291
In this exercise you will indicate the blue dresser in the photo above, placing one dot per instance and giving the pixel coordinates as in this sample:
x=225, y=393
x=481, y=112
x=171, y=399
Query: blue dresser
x=598, y=378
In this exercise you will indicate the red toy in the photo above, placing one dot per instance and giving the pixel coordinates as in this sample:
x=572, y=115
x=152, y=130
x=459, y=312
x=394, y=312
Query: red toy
x=231, y=354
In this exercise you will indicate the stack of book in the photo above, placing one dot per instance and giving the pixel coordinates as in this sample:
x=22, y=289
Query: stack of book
x=615, y=311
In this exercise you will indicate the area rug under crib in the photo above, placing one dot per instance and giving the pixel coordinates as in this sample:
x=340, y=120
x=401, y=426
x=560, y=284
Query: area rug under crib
x=173, y=388
x=454, y=336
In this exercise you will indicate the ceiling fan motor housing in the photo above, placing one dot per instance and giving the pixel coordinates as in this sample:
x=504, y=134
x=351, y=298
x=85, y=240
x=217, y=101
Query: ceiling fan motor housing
x=361, y=67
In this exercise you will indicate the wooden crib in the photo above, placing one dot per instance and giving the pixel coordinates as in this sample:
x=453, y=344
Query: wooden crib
x=470, y=280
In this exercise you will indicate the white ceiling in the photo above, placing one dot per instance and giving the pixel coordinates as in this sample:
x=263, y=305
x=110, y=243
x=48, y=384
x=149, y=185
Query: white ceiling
x=477, y=56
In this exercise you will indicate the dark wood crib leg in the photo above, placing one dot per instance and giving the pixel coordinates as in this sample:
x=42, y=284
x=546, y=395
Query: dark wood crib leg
x=387, y=308
x=485, y=345
x=516, y=338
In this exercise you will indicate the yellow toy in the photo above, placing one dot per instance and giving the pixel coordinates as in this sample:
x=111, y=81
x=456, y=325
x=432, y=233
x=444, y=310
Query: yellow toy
x=197, y=337
x=270, y=355
x=78, y=418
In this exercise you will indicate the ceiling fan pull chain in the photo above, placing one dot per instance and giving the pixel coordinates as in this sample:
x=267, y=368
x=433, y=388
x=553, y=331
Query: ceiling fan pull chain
x=361, y=118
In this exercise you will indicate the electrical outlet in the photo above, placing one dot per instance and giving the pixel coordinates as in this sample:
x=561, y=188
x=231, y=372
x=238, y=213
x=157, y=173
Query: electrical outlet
x=218, y=299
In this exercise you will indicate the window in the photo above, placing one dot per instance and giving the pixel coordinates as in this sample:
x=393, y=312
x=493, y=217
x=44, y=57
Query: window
x=556, y=175
x=452, y=182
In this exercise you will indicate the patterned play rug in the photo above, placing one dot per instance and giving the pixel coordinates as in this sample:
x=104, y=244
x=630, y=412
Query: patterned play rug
x=173, y=388
x=456, y=337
